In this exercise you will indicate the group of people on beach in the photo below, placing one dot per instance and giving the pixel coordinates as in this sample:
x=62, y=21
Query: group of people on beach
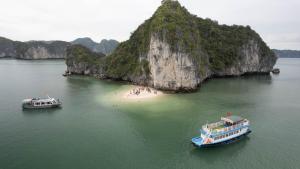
x=139, y=90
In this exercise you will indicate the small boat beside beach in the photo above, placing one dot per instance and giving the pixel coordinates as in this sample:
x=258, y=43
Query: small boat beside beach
x=228, y=130
x=41, y=103
x=276, y=71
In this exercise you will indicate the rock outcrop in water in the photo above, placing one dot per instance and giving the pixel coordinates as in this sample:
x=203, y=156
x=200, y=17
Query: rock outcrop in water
x=33, y=49
x=82, y=61
x=175, y=50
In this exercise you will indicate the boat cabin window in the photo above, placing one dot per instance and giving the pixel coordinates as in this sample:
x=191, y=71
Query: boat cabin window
x=227, y=124
x=49, y=103
x=42, y=103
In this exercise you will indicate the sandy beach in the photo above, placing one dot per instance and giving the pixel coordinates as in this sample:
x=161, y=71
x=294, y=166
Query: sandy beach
x=141, y=92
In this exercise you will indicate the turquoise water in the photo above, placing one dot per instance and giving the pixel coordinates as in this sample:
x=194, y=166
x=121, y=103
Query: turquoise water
x=97, y=129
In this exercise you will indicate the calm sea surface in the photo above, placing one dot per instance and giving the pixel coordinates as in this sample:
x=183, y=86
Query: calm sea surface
x=97, y=129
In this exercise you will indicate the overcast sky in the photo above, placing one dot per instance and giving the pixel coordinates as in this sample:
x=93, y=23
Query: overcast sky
x=277, y=21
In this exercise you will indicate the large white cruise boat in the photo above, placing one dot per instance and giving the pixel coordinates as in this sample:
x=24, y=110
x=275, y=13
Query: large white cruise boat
x=228, y=130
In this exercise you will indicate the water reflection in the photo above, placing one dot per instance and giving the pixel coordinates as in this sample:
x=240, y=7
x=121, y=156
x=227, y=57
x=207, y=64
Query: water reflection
x=34, y=112
x=264, y=78
x=80, y=81
x=261, y=78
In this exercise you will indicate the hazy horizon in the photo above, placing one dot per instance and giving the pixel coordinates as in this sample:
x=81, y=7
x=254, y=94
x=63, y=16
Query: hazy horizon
x=276, y=21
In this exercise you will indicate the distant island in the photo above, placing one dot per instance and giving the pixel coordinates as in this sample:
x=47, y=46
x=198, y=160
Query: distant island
x=50, y=49
x=287, y=53
x=105, y=46
x=32, y=49
x=175, y=50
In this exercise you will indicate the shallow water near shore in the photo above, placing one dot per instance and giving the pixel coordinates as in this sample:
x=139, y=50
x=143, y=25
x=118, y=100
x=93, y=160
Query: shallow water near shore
x=96, y=129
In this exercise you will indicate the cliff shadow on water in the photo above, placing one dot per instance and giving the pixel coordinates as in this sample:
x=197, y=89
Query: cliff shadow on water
x=259, y=77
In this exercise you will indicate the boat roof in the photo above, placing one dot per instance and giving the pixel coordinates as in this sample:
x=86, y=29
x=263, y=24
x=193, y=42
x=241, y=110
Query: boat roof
x=39, y=99
x=232, y=119
x=44, y=99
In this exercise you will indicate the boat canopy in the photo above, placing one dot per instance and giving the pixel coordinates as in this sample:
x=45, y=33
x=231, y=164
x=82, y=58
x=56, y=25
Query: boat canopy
x=232, y=119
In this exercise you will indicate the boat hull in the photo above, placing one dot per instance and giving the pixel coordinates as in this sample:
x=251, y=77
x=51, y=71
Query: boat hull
x=197, y=142
x=26, y=106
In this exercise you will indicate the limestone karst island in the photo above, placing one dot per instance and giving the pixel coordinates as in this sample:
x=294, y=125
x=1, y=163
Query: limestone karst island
x=176, y=50
x=156, y=84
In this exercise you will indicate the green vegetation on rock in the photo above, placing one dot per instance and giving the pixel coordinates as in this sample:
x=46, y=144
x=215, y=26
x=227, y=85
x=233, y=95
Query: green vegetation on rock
x=79, y=54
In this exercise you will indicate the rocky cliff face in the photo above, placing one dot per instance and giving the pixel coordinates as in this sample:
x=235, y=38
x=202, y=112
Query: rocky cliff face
x=179, y=71
x=175, y=50
x=171, y=70
x=42, y=50
x=250, y=61
x=33, y=49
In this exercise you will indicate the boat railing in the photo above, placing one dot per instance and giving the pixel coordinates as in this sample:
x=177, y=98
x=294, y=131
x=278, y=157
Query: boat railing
x=214, y=125
x=225, y=129
x=212, y=128
x=244, y=123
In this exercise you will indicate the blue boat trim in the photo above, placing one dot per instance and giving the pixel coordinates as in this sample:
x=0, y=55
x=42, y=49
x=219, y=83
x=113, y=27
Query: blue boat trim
x=197, y=141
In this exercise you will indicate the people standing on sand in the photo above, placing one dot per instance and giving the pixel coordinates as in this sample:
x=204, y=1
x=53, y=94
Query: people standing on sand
x=148, y=90
x=142, y=92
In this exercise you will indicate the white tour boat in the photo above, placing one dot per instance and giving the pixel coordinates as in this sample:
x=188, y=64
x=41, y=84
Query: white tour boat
x=228, y=130
x=37, y=103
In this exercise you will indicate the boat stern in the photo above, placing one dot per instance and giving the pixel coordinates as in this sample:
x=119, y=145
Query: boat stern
x=197, y=141
x=26, y=101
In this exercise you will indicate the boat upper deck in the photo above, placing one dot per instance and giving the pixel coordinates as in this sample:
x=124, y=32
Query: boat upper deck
x=232, y=119
x=41, y=100
x=226, y=123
